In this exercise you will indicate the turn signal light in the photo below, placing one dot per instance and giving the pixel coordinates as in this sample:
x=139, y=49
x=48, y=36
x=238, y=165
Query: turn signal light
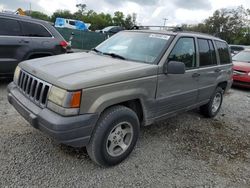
x=75, y=99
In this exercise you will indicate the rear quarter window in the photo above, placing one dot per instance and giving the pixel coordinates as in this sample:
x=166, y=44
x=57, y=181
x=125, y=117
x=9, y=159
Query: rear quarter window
x=9, y=27
x=34, y=30
x=223, y=52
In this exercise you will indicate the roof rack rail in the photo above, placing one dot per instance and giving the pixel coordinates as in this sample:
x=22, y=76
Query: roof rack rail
x=149, y=27
x=7, y=13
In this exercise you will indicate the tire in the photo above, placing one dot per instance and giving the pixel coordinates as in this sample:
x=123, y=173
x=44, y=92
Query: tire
x=114, y=137
x=212, y=108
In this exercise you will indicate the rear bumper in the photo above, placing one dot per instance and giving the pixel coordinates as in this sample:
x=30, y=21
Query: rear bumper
x=74, y=131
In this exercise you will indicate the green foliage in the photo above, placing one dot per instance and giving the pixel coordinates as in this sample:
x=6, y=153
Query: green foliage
x=81, y=8
x=231, y=25
x=38, y=15
x=81, y=11
x=119, y=18
x=61, y=14
x=98, y=21
x=130, y=21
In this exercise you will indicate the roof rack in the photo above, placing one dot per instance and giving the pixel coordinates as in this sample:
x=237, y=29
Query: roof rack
x=171, y=29
x=12, y=14
x=163, y=28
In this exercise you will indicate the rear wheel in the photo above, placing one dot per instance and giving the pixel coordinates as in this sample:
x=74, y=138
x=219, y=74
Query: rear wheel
x=212, y=108
x=114, y=137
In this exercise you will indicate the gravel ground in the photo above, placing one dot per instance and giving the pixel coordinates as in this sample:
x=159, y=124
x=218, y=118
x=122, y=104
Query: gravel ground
x=184, y=151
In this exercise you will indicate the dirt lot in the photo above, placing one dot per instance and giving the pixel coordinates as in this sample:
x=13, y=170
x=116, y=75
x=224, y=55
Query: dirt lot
x=184, y=151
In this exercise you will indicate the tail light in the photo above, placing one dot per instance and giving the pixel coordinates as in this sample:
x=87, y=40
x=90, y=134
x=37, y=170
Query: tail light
x=64, y=44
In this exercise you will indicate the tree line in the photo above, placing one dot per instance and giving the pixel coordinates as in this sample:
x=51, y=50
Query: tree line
x=231, y=25
x=98, y=20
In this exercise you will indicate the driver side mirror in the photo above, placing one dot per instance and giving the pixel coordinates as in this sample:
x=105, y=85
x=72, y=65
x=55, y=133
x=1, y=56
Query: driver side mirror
x=174, y=67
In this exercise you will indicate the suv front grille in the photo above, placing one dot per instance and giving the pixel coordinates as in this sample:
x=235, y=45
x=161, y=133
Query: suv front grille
x=34, y=88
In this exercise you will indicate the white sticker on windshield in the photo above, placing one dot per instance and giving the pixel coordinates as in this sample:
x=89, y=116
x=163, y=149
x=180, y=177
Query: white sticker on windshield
x=159, y=36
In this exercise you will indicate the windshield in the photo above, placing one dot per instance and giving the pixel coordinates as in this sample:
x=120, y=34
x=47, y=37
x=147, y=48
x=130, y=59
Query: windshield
x=242, y=56
x=134, y=46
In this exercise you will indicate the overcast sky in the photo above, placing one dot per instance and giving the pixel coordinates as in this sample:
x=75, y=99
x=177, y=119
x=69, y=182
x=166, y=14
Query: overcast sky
x=149, y=12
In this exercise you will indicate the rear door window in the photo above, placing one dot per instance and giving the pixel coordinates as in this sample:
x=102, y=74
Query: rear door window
x=9, y=27
x=206, y=53
x=223, y=52
x=34, y=30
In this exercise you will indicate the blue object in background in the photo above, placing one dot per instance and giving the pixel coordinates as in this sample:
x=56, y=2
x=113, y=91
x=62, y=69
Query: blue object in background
x=80, y=25
x=71, y=24
x=60, y=22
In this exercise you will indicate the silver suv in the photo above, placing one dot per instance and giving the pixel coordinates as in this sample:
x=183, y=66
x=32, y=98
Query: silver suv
x=101, y=99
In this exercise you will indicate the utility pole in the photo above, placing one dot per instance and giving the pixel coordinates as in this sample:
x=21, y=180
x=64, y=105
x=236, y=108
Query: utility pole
x=30, y=7
x=164, y=23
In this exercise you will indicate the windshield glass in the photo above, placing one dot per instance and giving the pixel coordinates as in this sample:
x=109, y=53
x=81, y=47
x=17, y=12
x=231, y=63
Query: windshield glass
x=135, y=46
x=242, y=56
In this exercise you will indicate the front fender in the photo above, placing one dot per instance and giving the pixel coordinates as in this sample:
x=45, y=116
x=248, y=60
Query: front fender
x=116, y=97
x=97, y=99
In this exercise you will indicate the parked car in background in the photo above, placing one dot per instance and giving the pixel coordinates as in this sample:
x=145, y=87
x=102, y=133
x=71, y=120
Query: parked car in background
x=23, y=38
x=237, y=48
x=111, y=29
x=72, y=24
x=241, y=69
x=101, y=99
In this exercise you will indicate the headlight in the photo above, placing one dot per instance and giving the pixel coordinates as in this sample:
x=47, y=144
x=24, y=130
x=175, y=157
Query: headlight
x=64, y=102
x=16, y=74
x=249, y=74
x=61, y=110
x=57, y=95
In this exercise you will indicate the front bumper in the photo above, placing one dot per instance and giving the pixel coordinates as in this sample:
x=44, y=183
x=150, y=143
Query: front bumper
x=241, y=84
x=74, y=131
x=243, y=80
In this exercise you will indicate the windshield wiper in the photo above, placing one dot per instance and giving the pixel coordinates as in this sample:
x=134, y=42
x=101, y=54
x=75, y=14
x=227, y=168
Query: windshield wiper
x=110, y=54
x=95, y=50
x=115, y=55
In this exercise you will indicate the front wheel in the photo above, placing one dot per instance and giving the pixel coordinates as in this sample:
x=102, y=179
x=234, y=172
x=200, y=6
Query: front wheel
x=212, y=108
x=114, y=137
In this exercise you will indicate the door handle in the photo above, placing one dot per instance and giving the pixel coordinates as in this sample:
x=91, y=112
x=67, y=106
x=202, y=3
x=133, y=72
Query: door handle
x=217, y=70
x=195, y=75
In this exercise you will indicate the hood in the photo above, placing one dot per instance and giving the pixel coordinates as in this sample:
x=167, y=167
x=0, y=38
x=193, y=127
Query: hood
x=83, y=70
x=242, y=66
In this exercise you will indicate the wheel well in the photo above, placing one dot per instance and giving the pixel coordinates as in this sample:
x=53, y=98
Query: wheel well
x=39, y=55
x=223, y=85
x=136, y=106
